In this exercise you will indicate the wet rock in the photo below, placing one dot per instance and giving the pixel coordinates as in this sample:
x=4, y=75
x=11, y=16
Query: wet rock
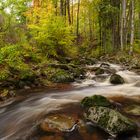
x=99, y=71
x=133, y=110
x=105, y=65
x=110, y=120
x=95, y=100
x=137, y=84
x=116, y=79
x=27, y=87
x=20, y=84
x=58, y=123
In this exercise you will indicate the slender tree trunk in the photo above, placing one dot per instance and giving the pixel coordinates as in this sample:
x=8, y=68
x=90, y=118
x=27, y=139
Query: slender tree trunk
x=132, y=28
x=61, y=8
x=90, y=27
x=78, y=11
x=123, y=25
x=65, y=8
x=68, y=9
x=128, y=24
x=72, y=14
x=116, y=25
x=56, y=6
x=100, y=36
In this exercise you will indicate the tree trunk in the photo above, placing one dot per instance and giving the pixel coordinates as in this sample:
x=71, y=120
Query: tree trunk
x=56, y=7
x=72, y=13
x=77, y=29
x=116, y=25
x=132, y=28
x=90, y=27
x=123, y=25
x=61, y=8
x=68, y=8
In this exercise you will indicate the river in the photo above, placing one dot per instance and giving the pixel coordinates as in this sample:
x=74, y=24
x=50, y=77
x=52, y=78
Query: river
x=18, y=118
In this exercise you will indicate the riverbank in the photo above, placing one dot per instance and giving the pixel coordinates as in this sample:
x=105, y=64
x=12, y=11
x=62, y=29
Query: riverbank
x=67, y=70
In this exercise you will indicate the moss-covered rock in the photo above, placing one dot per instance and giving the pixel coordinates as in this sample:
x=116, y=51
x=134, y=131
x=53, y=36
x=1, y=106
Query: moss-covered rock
x=61, y=76
x=78, y=73
x=95, y=100
x=110, y=120
x=116, y=79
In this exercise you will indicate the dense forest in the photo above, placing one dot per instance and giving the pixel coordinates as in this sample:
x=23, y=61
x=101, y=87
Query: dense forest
x=70, y=69
x=35, y=34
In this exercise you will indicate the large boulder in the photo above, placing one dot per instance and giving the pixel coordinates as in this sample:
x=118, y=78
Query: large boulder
x=95, y=100
x=116, y=79
x=110, y=120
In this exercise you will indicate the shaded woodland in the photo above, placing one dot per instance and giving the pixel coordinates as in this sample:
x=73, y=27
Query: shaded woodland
x=38, y=33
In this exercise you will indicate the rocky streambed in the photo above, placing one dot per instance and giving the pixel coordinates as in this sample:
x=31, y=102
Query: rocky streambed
x=110, y=111
x=73, y=122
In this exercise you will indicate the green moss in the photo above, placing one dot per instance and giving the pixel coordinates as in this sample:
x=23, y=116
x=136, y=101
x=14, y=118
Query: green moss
x=61, y=76
x=95, y=100
x=4, y=73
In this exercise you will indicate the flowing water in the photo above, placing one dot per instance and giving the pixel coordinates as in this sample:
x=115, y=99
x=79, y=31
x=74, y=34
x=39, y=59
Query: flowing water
x=19, y=118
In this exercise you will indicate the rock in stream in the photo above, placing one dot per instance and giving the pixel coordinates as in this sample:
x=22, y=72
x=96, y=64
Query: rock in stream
x=110, y=120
